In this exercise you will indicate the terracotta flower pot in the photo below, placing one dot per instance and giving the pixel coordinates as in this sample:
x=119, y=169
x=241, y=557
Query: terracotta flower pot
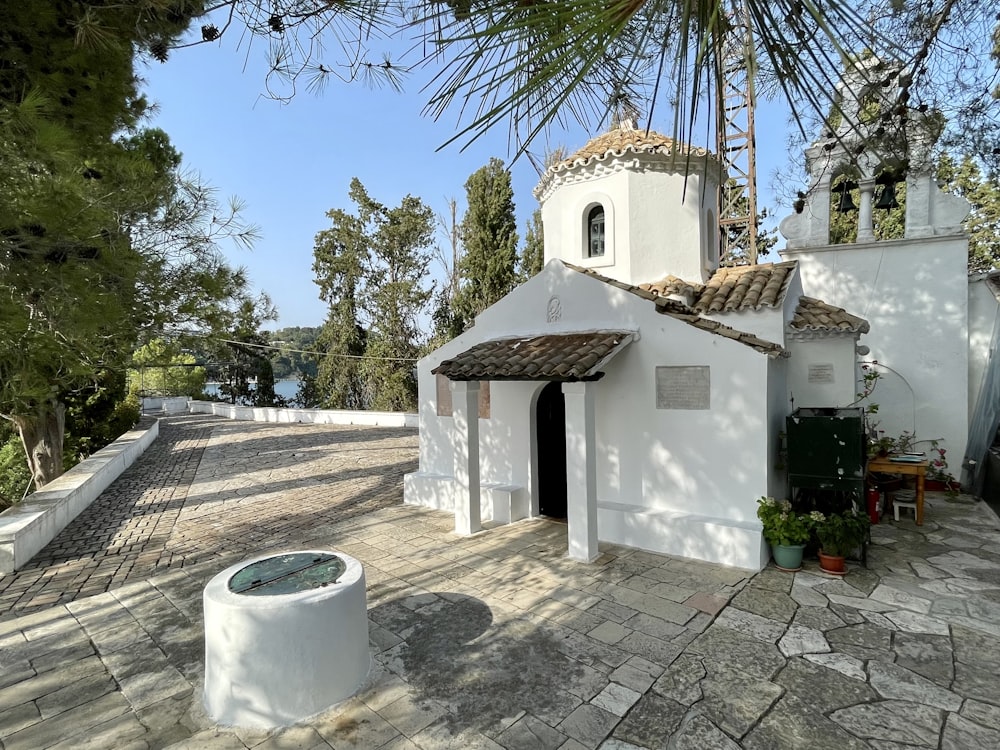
x=832, y=564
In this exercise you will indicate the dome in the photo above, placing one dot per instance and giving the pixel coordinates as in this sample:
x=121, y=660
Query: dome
x=619, y=140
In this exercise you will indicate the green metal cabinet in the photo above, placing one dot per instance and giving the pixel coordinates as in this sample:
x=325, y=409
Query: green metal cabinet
x=826, y=450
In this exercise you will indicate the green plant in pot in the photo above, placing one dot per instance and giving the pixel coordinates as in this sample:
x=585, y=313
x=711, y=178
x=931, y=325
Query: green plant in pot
x=785, y=530
x=839, y=534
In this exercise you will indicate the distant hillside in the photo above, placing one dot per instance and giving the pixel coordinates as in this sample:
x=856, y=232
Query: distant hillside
x=290, y=361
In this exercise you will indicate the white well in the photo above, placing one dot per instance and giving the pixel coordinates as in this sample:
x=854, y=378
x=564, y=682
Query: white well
x=274, y=659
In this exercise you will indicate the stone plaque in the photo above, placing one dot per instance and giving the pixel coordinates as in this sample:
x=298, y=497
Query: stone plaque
x=821, y=372
x=683, y=387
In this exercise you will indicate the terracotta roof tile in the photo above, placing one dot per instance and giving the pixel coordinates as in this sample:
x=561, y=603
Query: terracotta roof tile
x=619, y=140
x=682, y=312
x=673, y=285
x=555, y=356
x=816, y=315
x=745, y=288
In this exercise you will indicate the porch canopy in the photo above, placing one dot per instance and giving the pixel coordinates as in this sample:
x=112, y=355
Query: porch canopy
x=576, y=359
x=562, y=357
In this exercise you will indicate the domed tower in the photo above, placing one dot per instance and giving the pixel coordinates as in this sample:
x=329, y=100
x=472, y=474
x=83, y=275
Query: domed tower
x=635, y=206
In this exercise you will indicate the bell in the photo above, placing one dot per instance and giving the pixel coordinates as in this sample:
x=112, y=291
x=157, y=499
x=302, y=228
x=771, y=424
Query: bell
x=846, y=203
x=887, y=198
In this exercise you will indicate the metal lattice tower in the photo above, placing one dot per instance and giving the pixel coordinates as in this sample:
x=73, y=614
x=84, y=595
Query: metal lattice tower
x=736, y=146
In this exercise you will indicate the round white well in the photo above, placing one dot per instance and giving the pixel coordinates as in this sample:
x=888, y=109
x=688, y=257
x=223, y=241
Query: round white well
x=286, y=636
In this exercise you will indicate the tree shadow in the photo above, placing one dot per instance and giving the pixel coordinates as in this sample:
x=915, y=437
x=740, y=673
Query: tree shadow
x=486, y=668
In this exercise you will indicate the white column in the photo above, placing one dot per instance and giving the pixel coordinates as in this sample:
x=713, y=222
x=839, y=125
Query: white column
x=865, y=229
x=465, y=412
x=581, y=471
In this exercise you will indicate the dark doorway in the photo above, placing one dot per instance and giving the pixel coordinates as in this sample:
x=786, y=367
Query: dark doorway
x=550, y=431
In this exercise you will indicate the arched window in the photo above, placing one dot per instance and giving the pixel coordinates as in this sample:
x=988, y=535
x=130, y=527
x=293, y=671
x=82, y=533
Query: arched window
x=595, y=232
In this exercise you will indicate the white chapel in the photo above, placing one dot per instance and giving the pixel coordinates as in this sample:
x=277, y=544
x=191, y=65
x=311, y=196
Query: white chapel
x=639, y=390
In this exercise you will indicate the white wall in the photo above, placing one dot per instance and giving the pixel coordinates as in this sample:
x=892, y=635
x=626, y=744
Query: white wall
x=305, y=416
x=838, y=352
x=654, y=224
x=914, y=293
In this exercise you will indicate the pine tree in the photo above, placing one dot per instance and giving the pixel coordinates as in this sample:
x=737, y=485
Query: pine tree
x=983, y=223
x=101, y=240
x=340, y=254
x=489, y=234
x=533, y=254
x=370, y=267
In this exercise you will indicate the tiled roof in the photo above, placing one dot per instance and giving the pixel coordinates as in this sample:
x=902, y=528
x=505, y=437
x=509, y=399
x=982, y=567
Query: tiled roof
x=619, y=140
x=745, y=288
x=815, y=315
x=682, y=312
x=673, y=285
x=564, y=357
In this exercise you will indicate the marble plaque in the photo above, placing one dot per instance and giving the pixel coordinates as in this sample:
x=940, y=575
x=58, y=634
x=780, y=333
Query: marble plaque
x=683, y=387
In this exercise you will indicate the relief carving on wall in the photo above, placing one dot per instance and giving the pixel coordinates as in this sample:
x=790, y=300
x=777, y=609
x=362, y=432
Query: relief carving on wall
x=553, y=311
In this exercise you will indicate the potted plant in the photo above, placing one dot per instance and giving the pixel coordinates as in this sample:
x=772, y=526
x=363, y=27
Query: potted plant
x=938, y=476
x=785, y=530
x=881, y=446
x=839, y=534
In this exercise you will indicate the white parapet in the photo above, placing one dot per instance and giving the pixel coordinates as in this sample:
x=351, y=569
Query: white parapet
x=273, y=660
x=306, y=416
x=27, y=527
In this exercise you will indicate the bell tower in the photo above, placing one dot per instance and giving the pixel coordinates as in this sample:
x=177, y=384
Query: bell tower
x=635, y=206
x=870, y=140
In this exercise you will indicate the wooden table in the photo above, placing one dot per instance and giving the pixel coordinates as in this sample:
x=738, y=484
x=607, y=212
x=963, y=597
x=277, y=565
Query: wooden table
x=885, y=465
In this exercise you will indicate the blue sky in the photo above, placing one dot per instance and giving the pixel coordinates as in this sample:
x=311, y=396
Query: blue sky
x=293, y=162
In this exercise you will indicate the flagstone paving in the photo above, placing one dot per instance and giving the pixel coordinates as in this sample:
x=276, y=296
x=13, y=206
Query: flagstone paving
x=497, y=640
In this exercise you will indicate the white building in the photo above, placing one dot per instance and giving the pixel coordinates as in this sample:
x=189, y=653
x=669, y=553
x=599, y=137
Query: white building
x=640, y=390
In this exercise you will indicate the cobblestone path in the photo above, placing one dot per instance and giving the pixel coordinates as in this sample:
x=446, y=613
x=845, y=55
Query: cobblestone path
x=262, y=487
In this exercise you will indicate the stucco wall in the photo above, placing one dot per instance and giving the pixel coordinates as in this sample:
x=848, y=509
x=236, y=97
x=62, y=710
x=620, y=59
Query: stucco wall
x=712, y=464
x=915, y=295
x=836, y=352
x=652, y=231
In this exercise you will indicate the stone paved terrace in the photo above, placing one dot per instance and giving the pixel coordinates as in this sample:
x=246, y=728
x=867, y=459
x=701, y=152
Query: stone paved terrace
x=496, y=640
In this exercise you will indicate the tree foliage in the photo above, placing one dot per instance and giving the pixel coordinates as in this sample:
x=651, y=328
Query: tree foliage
x=290, y=360
x=526, y=65
x=983, y=224
x=102, y=241
x=488, y=266
x=371, y=268
x=242, y=354
x=162, y=368
x=533, y=252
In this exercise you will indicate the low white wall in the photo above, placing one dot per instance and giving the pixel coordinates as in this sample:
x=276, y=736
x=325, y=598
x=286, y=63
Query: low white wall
x=26, y=528
x=717, y=540
x=165, y=404
x=306, y=416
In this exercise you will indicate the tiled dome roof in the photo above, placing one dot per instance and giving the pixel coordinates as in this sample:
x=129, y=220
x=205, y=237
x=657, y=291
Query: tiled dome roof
x=624, y=138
